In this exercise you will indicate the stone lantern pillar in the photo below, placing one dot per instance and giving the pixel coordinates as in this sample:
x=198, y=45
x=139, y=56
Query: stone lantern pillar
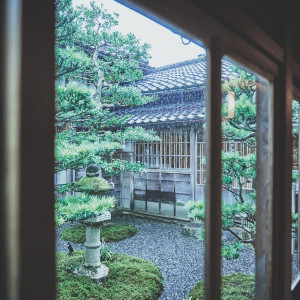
x=93, y=267
x=92, y=184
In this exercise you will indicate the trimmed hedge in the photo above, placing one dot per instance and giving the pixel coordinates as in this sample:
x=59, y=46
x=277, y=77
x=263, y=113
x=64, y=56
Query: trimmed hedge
x=111, y=233
x=129, y=278
x=234, y=286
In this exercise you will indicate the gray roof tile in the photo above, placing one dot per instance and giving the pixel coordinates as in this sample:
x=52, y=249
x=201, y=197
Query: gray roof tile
x=184, y=74
x=180, y=89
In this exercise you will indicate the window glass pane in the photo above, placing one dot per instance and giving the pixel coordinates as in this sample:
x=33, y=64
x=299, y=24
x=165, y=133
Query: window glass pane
x=131, y=100
x=243, y=93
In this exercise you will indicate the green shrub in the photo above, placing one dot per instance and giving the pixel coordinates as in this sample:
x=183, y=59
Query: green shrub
x=82, y=206
x=117, y=232
x=234, y=286
x=232, y=251
x=110, y=233
x=105, y=253
x=129, y=278
x=64, y=188
x=201, y=234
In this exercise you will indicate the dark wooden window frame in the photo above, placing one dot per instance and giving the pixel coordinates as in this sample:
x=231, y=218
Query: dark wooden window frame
x=27, y=159
x=27, y=68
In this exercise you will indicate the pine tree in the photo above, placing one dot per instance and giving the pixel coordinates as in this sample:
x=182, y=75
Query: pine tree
x=95, y=70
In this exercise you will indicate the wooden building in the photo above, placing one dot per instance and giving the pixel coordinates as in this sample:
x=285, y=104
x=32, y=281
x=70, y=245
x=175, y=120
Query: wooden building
x=176, y=163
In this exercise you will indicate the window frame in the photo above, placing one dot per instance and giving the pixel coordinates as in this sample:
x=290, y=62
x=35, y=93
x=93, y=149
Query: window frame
x=274, y=66
x=249, y=45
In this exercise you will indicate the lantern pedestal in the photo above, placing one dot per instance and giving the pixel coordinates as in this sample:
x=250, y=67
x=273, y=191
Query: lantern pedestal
x=92, y=266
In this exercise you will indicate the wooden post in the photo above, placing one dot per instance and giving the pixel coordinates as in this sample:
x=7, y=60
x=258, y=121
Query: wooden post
x=27, y=149
x=10, y=101
x=264, y=191
x=213, y=175
x=298, y=182
x=193, y=162
x=282, y=181
x=127, y=180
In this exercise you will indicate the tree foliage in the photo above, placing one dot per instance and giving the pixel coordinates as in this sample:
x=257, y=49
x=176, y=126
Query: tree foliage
x=239, y=169
x=95, y=68
x=236, y=167
x=82, y=206
x=243, y=126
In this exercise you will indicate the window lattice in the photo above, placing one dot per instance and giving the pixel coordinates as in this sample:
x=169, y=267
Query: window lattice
x=227, y=146
x=171, y=152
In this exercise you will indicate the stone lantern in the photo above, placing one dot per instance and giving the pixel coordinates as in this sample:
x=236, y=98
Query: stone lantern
x=94, y=185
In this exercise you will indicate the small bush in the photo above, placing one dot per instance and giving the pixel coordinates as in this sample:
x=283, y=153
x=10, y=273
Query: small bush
x=110, y=233
x=129, y=278
x=201, y=234
x=234, y=286
x=82, y=206
x=117, y=232
x=105, y=253
x=232, y=251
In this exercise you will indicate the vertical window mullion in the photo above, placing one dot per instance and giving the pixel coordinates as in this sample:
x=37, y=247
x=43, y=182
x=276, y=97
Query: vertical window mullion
x=298, y=262
x=213, y=174
x=263, y=237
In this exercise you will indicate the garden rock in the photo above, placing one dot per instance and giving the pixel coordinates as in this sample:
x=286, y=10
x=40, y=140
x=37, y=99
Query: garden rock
x=192, y=229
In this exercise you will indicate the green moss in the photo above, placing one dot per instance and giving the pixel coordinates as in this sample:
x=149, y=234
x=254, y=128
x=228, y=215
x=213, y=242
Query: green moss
x=117, y=232
x=110, y=233
x=234, y=286
x=129, y=278
x=92, y=185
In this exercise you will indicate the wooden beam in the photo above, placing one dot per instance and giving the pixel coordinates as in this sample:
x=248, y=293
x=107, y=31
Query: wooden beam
x=190, y=20
x=244, y=26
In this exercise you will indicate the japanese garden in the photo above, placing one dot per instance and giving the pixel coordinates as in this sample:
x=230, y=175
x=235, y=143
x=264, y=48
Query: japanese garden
x=130, y=163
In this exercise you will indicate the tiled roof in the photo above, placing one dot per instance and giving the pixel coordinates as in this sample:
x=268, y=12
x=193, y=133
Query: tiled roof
x=174, y=107
x=182, y=75
x=180, y=89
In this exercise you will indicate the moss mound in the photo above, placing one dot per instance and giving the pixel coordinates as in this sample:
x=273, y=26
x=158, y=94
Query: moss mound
x=110, y=233
x=92, y=185
x=234, y=286
x=129, y=278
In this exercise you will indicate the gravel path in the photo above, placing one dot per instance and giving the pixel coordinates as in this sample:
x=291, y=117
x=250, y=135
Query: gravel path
x=179, y=258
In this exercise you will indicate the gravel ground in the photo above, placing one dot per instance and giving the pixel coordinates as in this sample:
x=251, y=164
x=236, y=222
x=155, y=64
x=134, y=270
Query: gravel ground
x=179, y=258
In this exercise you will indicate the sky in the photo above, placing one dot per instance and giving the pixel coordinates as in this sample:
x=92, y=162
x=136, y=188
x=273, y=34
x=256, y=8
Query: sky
x=167, y=47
